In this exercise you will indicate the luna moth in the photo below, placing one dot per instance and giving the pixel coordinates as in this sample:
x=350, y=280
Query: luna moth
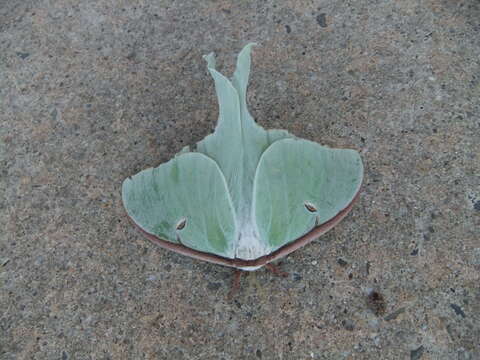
x=243, y=196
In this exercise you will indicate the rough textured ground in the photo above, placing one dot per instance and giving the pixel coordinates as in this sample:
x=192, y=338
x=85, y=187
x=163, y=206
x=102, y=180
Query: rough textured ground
x=93, y=91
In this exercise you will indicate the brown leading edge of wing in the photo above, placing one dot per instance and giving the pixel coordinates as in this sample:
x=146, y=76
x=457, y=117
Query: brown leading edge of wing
x=245, y=264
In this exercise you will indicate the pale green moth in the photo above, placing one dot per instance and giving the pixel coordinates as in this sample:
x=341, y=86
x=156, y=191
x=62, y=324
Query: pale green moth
x=243, y=196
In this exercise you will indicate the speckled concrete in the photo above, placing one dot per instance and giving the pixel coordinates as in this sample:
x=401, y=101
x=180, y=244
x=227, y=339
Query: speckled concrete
x=94, y=91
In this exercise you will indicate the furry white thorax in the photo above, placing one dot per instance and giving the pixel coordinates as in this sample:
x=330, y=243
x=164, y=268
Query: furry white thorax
x=249, y=246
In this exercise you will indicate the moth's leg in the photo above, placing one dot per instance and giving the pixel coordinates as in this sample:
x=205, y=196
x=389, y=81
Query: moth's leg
x=235, y=284
x=276, y=270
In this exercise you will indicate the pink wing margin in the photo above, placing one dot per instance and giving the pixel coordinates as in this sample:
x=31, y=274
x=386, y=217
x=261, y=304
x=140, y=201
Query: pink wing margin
x=245, y=264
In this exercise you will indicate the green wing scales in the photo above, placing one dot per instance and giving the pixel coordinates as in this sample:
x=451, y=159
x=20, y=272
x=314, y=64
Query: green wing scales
x=184, y=201
x=299, y=185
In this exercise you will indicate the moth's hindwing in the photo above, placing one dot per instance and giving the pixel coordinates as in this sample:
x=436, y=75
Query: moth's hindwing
x=300, y=184
x=184, y=201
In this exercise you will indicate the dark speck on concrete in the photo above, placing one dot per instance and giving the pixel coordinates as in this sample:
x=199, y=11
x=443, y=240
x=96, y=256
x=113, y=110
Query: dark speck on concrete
x=288, y=29
x=414, y=252
x=322, y=20
x=214, y=286
x=22, y=55
x=297, y=277
x=458, y=310
x=417, y=353
x=348, y=324
x=64, y=355
x=376, y=303
x=342, y=262
x=476, y=205
x=259, y=353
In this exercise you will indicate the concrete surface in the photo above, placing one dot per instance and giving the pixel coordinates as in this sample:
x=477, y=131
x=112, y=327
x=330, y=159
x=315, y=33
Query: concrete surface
x=94, y=91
